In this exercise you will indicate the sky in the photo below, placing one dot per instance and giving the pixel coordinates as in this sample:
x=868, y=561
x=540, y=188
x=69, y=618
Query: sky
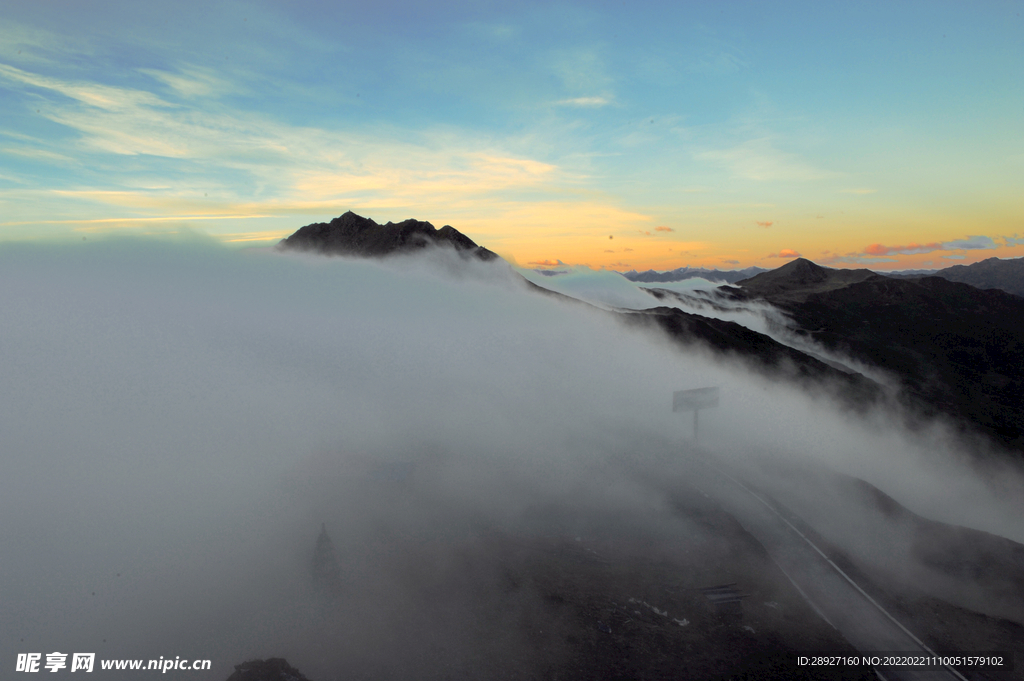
x=605, y=134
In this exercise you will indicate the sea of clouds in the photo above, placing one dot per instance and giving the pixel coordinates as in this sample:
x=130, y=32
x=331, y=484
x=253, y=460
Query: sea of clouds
x=178, y=418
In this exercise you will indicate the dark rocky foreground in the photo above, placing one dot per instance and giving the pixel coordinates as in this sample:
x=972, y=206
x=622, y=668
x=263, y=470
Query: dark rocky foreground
x=273, y=669
x=352, y=234
x=623, y=599
x=956, y=588
x=626, y=597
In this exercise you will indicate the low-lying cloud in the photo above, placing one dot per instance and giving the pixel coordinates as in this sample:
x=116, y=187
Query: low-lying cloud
x=179, y=419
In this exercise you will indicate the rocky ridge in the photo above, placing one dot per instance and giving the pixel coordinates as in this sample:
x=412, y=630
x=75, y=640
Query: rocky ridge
x=954, y=349
x=352, y=234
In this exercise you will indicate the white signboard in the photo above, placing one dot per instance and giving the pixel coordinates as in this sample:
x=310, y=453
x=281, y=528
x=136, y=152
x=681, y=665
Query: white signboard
x=692, y=400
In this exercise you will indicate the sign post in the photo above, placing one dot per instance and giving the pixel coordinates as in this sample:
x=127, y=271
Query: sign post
x=695, y=400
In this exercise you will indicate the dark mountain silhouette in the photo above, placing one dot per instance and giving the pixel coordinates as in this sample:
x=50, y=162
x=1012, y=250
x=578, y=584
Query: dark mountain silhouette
x=800, y=278
x=954, y=348
x=1007, y=275
x=683, y=273
x=352, y=234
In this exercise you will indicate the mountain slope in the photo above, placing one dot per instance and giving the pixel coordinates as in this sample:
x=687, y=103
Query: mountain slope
x=956, y=348
x=1007, y=275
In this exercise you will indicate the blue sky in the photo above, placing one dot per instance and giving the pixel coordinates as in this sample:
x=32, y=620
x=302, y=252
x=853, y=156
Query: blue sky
x=855, y=134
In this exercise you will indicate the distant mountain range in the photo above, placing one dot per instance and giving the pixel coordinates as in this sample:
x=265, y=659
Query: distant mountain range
x=1007, y=274
x=684, y=273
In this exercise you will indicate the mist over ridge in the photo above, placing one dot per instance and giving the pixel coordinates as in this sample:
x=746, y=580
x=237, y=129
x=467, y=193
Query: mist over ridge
x=180, y=418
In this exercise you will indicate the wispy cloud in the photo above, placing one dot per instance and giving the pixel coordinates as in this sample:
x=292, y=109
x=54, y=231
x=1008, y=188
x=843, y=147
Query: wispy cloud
x=194, y=142
x=784, y=253
x=129, y=222
x=105, y=97
x=970, y=243
x=39, y=154
x=194, y=81
x=909, y=249
x=585, y=102
x=29, y=45
x=766, y=223
x=760, y=161
x=663, y=229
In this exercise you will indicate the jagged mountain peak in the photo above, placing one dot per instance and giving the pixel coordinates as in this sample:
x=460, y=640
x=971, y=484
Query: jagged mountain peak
x=352, y=234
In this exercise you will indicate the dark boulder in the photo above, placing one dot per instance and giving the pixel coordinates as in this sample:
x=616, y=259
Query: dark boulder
x=274, y=669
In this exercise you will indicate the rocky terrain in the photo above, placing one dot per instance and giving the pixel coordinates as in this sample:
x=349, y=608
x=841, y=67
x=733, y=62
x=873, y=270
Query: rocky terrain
x=352, y=234
x=584, y=595
x=610, y=596
x=273, y=669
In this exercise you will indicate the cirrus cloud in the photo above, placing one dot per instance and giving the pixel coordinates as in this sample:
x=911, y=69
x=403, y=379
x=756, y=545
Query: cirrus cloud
x=585, y=101
x=784, y=253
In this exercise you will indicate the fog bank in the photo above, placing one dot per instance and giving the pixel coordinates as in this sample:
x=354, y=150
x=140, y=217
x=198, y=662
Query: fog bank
x=177, y=419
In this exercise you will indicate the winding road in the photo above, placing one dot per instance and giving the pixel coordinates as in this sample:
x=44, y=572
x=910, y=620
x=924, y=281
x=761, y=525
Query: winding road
x=830, y=591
